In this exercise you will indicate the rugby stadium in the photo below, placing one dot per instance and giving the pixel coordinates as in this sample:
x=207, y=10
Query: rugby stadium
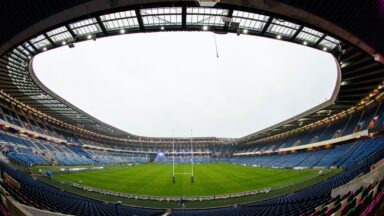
x=60, y=160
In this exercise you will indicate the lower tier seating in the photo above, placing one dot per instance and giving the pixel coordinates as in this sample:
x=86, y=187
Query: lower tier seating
x=40, y=195
x=361, y=202
x=299, y=202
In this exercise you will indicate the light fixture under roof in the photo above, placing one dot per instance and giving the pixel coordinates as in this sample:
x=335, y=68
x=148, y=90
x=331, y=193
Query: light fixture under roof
x=278, y=36
x=305, y=42
x=45, y=48
x=89, y=36
x=63, y=43
x=325, y=48
x=208, y=3
x=343, y=64
x=245, y=31
x=122, y=31
x=379, y=58
x=205, y=28
x=162, y=27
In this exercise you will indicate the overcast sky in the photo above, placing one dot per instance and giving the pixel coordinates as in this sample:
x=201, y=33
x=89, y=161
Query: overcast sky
x=148, y=84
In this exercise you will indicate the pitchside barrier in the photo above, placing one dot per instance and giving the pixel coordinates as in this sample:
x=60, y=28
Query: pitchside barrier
x=172, y=198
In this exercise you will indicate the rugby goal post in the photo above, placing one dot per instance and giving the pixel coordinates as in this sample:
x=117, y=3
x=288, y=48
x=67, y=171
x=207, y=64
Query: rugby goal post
x=180, y=153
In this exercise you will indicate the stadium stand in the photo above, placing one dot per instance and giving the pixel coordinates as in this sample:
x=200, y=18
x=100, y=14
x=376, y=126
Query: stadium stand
x=40, y=195
x=353, y=155
x=361, y=196
x=299, y=202
x=185, y=160
x=339, y=156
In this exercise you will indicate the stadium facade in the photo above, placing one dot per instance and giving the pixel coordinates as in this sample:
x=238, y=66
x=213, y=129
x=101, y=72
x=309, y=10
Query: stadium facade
x=40, y=127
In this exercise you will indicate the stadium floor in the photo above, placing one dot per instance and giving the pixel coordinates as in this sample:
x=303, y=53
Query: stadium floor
x=124, y=174
x=210, y=179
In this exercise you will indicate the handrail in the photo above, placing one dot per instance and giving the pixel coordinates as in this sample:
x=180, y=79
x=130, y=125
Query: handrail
x=172, y=198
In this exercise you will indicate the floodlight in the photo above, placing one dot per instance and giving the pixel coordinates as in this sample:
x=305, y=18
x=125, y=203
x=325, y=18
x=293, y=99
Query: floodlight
x=45, y=48
x=305, y=42
x=227, y=20
x=63, y=43
x=245, y=31
x=234, y=25
x=379, y=58
x=278, y=36
x=122, y=31
x=205, y=28
x=89, y=36
x=325, y=48
x=162, y=27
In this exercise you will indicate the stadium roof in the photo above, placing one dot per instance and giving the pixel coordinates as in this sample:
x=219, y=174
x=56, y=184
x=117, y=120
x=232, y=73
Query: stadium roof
x=351, y=30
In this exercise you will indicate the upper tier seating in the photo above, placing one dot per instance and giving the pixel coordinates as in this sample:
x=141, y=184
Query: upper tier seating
x=184, y=160
x=27, y=153
x=341, y=156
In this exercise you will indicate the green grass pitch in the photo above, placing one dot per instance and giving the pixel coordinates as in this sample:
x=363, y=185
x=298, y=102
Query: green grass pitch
x=210, y=179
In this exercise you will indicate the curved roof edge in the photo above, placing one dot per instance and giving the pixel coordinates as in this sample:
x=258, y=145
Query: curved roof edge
x=272, y=6
x=315, y=109
x=50, y=92
x=281, y=9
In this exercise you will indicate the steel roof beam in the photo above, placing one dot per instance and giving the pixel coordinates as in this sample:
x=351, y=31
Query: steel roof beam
x=316, y=44
x=33, y=46
x=139, y=19
x=49, y=39
x=266, y=25
x=101, y=24
x=73, y=34
x=296, y=33
x=184, y=17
